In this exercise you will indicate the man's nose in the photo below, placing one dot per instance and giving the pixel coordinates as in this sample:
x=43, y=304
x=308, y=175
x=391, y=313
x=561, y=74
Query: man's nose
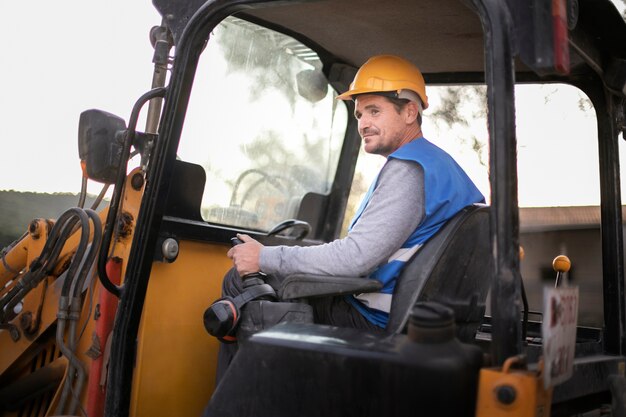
x=363, y=123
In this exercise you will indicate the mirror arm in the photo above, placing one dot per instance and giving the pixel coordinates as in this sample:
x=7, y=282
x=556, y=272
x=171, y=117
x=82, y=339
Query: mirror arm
x=117, y=191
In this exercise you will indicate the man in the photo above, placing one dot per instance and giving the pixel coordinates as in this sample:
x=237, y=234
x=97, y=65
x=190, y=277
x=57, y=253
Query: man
x=418, y=189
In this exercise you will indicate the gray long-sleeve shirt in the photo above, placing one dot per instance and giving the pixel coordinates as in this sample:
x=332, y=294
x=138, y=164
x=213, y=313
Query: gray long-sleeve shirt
x=394, y=211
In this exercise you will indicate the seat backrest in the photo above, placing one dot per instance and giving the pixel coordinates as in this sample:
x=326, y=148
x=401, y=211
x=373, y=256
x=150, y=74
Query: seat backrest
x=454, y=267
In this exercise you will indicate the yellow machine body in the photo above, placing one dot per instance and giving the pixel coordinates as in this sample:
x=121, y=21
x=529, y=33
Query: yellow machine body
x=509, y=392
x=172, y=327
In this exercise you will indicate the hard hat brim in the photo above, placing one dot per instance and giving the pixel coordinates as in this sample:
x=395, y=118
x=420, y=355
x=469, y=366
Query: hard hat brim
x=349, y=95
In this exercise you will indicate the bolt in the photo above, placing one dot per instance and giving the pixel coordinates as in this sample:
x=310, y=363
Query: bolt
x=13, y=330
x=33, y=229
x=26, y=320
x=137, y=181
x=170, y=249
x=506, y=394
x=125, y=224
x=15, y=333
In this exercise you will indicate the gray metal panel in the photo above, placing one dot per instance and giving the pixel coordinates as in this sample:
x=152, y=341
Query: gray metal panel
x=447, y=35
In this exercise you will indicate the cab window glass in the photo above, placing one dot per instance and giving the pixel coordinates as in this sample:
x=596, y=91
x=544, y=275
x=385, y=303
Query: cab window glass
x=559, y=193
x=558, y=178
x=264, y=124
x=456, y=121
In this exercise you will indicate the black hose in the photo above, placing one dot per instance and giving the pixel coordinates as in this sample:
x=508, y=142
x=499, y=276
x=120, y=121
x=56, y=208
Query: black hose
x=73, y=363
x=100, y=197
x=70, y=305
x=40, y=267
x=6, y=250
x=59, y=233
x=93, y=250
x=70, y=302
x=76, y=300
x=81, y=249
x=45, y=263
x=83, y=192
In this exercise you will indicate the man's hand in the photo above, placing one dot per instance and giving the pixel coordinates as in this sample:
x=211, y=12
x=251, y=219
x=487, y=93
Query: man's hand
x=245, y=256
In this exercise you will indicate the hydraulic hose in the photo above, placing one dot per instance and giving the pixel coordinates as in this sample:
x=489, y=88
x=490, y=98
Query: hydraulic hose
x=42, y=266
x=100, y=197
x=81, y=371
x=74, y=365
x=63, y=314
x=83, y=192
x=80, y=251
x=76, y=302
x=13, y=259
x=70, y=302
x=70, y=305
x=93, y=251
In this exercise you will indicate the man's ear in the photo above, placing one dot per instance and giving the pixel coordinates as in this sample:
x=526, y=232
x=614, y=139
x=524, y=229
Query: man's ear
x=411, y=112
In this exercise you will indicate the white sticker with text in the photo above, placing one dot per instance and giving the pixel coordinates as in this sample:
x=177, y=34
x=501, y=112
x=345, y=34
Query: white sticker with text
x=560, y=306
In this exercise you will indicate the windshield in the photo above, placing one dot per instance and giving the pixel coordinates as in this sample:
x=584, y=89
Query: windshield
x=264, y=124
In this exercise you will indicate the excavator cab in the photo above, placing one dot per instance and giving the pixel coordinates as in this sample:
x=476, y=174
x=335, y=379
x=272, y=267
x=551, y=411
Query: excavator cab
x=244, y=135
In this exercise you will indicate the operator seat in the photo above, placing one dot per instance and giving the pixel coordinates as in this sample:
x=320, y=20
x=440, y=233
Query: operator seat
x=454, y=267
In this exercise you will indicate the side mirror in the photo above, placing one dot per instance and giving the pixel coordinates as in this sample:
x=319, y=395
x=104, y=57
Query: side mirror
x=100, y=144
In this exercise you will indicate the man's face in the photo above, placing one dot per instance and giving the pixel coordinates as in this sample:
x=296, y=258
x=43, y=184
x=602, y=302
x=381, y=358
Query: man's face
x=382, y=129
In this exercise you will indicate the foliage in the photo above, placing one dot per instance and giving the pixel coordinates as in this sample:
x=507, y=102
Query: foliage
x=457, y=103
x=357, y=191
x=283, y=164
x=269, y=59
x=253, y=50
x=18, y=209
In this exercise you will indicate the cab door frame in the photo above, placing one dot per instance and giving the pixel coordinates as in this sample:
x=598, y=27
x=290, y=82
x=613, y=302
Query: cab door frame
x=153, y=221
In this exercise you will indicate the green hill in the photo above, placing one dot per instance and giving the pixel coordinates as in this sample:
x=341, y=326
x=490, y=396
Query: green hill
x=17, y=209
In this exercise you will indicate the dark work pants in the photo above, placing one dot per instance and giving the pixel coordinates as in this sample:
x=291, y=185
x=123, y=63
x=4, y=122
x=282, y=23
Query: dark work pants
x=335, y=311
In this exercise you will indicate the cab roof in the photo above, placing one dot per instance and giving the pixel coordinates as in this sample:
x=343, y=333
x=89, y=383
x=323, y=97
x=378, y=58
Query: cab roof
x=436, y=35
x=439, y=36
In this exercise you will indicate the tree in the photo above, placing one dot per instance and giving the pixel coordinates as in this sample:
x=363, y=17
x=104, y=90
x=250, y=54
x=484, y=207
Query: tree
x=459, y=107
x=292, y=149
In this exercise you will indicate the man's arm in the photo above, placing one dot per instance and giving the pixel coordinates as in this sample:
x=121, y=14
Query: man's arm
x=394, y=211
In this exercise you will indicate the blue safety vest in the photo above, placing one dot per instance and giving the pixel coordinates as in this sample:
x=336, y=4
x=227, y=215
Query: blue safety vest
x=447, y=190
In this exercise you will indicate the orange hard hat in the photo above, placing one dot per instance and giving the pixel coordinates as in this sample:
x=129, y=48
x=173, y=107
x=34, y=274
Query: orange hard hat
x=387, y=73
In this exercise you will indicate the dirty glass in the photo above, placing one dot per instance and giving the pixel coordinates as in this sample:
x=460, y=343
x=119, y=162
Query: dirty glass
x=264, y=124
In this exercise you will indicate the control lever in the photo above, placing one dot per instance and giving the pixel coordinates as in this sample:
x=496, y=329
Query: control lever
x=222, y=317
x=522, y=254
x=253, y=278
x=561, y=264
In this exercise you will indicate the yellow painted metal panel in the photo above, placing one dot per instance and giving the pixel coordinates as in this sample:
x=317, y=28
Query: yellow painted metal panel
x=512, y=392
x=176, y=358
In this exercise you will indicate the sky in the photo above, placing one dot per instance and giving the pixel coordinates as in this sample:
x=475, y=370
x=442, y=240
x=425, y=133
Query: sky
x=61, y=58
